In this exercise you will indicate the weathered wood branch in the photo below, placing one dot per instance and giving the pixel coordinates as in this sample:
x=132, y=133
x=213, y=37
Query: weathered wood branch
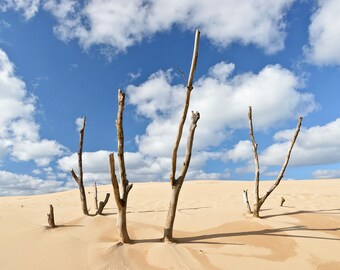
x=114, y=181
x=194, y=119
x=121, y=190
x=256, y=157
x=102, y=204
x=120, y=137
x=75, y=176
x=50, y=217
x=285, y=164
x=282, y=201
x=95, y=196
x=185, y=109
x=260, y=200
x=79, y=178
x=246, y=201
x=176, y=184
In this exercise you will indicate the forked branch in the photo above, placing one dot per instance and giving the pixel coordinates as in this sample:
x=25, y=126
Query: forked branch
x=260, y=200
x=185, y=109
x=284, y=166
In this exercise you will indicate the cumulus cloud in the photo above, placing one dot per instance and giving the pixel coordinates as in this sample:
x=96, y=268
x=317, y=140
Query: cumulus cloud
x=28, y=7
x=222, y=102
x=19, y=132
x=324, y=32
x=242, y=151
x=20, y=184
x=326, y=174
x=121, y=24
x=315, y=146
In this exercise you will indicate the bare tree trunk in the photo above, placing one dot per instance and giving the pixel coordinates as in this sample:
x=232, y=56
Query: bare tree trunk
x=259, y=201
x=176, y=184
x=50, y=217
x=121, y=190
x=95, y=196
x=79, y=178
x=102, y=204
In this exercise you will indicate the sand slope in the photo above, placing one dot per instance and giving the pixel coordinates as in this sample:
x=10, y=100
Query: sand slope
x=211, y=229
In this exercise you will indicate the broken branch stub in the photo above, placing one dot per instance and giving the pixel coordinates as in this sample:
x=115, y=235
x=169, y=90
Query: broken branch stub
x=50, y=217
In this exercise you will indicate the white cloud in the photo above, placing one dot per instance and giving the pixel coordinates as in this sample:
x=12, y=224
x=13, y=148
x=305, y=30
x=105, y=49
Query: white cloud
x=242, y=151
x=42, y=152
x=314, y=146
x=19, y=184
x=222, y=102
x=324, y=32
x=121, y=24
x=19, y=132
x=28, y=7
x=326, y=174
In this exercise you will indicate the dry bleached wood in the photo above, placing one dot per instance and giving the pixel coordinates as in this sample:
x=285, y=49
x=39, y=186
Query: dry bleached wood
x=79, y=178
x=102, y=204
x=282, y=201
x=50, y=217
x=95, y=196
x=246, y=201
x=260, y=200
x=121, y=190
x=176, y=183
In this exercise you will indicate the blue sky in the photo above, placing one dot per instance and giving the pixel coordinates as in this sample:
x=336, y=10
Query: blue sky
x=62, y=60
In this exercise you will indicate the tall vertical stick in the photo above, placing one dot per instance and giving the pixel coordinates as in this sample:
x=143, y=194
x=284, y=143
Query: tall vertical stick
x=176, y=184
x=79, y=178
x=121, y=190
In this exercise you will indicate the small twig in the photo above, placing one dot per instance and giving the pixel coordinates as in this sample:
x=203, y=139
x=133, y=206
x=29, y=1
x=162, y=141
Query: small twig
x=182, y=73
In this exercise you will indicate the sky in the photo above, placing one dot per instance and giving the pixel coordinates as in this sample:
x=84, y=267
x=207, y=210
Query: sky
x=61, y=60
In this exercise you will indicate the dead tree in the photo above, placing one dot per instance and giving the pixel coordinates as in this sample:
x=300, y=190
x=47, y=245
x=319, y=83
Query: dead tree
x=176, y=183
x=102, y=204
x=50, y=217
x=121, y=190
x=260, y=200
x=79, y=178
x=95, y=196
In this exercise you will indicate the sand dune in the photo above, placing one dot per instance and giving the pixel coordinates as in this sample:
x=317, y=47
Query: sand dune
x=211, y=229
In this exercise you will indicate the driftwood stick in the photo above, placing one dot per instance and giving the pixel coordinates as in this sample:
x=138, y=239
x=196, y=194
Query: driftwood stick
x=102, y=204
x=177, y=183
x=284, y=166
x=120, y=137
x=256, y=157
x=114, y=180
x=79, y=178
x=282, y=201
x=194, y=119
x=246, y=201
x=95, y=196
x=121, y=190
x=185, y=109
x=50, y=217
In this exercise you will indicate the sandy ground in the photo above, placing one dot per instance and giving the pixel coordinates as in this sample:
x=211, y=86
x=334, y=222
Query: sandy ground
x=211, y=229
